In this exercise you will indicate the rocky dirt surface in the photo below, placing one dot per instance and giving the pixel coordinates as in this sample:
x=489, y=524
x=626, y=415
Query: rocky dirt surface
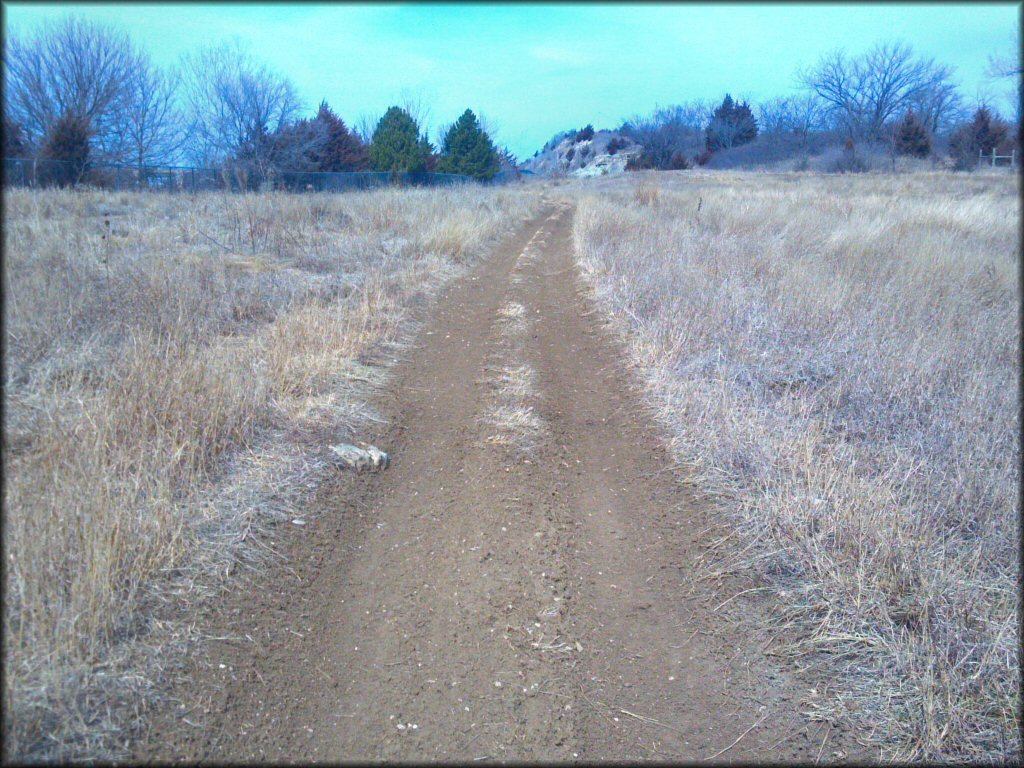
x=477, y=602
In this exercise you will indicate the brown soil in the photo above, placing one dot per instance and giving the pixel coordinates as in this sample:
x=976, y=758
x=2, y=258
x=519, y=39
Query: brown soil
x=472, y=603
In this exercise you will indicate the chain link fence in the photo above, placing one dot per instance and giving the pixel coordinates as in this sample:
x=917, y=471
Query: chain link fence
x=28, y=172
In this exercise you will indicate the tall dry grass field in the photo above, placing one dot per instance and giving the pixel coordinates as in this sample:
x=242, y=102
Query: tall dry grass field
x=175, y=367
x=838, y=359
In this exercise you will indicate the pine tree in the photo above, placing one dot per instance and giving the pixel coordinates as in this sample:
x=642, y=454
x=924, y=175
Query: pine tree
x=397, y=146
x=912, y=137
x=342, y=151
x=468, y=150
x=731, y=125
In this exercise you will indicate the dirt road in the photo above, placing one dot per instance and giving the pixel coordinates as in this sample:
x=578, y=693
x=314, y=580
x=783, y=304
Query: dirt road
x=475, y=601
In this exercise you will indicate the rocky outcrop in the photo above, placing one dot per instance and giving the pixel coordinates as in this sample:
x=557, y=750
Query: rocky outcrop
x=607, y=152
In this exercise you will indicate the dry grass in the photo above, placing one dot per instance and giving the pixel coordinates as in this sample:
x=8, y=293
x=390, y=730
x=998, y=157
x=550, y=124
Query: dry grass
x=645, y=192
x=175, y=366
x=513, y=384
x=839, y=359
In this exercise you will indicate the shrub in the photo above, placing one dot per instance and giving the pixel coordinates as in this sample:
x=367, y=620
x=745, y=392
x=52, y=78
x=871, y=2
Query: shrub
x=704, y=157
x=641, y=162
x=67, y=144
x=912, y=137
x=772, y=150
x=14, y=142
x=849, y=161
x=678, y=162
x=616, y=144
x=584, y=134
x=570, y=154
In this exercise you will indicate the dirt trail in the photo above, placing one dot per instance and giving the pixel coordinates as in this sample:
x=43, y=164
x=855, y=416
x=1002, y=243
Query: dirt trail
x=474, y=602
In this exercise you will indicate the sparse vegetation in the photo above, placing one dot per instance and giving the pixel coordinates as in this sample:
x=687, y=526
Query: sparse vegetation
x=838, y=361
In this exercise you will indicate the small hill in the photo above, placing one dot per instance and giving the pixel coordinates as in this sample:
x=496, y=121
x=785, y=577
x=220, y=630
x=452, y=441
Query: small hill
x=604, y=153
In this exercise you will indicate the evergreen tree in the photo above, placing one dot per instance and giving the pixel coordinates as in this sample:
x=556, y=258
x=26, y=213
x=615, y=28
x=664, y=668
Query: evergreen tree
x=980, y=136
x=397, y=145
x=585, y=134
x=297, y=146
x=731, y=125
x=912, y=137
x=466, y=149
x=15, y=143
x=507, y=162
x=342, y=151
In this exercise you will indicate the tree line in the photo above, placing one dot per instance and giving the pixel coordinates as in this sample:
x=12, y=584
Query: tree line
x=887, y=97
x=81, y=92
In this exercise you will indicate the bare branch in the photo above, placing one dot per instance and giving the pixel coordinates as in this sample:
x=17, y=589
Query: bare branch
x=68, y=67
x=234, y=104
x=865, y=92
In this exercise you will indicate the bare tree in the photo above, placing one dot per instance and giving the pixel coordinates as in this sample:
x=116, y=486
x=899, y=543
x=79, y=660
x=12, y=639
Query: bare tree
x=234, y=104
x=677, y=129
x=797, y=115
x=1008, y=66
x=866, y=91
x=939, y=106
x=70, y=67
x=691, y=114
x=418, y=108
x=365, y=126
x=153, y=124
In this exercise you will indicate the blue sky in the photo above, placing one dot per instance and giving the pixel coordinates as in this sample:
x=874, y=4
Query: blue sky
x=536, y=69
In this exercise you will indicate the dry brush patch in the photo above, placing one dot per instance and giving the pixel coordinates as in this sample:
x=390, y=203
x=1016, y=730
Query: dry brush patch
x=838, y=359
x=174, y=369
